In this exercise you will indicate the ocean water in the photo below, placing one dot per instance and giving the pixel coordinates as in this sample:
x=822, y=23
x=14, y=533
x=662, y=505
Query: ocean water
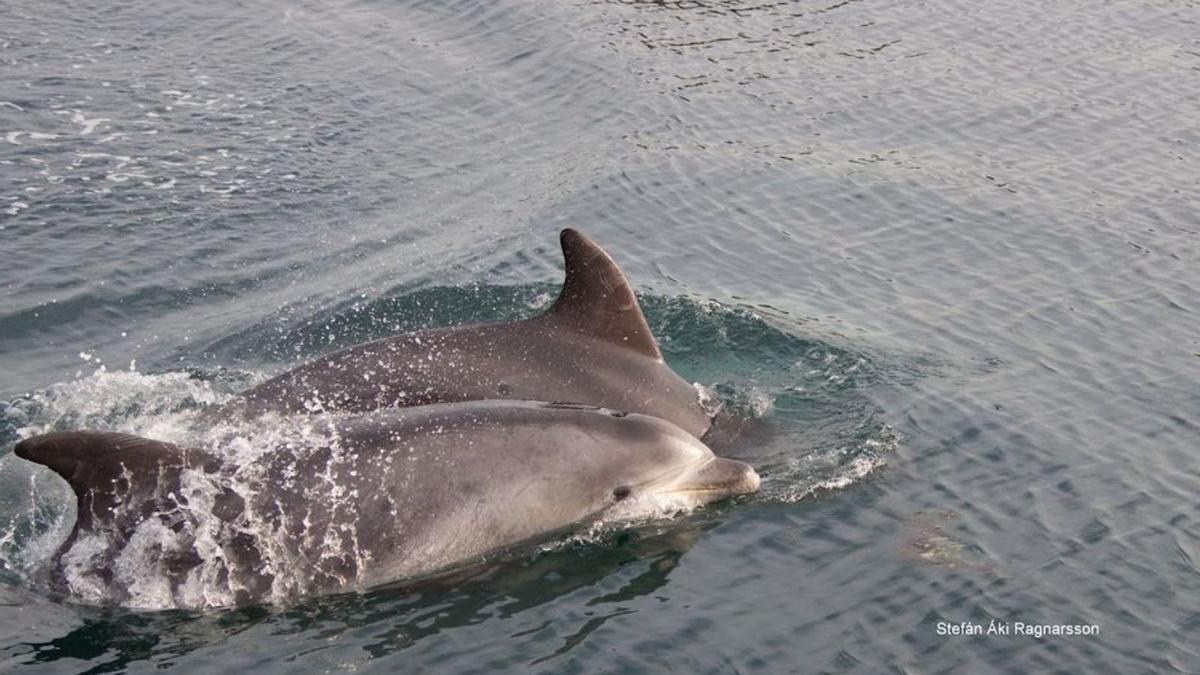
x=947, y=255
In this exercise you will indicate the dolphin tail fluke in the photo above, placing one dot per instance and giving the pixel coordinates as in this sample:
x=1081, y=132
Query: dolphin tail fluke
x=107, y=469
x=596, y=298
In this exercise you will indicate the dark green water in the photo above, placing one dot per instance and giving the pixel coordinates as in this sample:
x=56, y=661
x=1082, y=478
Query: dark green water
x=948, y=254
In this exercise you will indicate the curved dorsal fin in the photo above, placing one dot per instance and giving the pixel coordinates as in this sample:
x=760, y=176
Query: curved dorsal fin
x=596, y=298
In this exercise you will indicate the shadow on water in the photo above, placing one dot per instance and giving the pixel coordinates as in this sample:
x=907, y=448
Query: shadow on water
x=114, y=639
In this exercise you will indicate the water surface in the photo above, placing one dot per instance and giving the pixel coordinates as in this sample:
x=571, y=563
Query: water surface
x=946, y=253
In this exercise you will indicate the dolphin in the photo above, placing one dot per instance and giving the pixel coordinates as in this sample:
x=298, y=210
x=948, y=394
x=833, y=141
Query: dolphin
x=361, y=500
x=592, y=346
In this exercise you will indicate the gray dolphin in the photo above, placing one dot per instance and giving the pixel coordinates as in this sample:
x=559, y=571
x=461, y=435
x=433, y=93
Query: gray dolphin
x=368, y=500
x=592, y=346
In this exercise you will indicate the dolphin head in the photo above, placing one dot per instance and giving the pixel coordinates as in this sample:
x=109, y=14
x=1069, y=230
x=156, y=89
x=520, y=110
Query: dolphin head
x=683, y=472
x=649, y=462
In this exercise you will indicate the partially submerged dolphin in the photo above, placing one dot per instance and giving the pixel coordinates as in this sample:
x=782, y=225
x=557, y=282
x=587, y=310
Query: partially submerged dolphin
x=592, y=346
x=375, y=498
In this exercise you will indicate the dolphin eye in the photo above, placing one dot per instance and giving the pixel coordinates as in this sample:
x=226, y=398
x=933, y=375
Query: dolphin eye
x=621, y=492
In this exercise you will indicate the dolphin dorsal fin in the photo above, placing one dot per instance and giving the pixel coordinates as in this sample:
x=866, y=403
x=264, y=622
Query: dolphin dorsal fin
x=596, y=298
x=106, y=469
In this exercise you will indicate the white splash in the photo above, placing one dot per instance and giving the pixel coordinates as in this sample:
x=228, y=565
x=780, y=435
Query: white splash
x=88, y=125
x=159, y=406
x=868, y=458
x=634, y=512
x=164, y=407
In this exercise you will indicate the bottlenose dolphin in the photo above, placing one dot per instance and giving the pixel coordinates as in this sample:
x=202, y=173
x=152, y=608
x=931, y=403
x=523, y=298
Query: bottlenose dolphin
x=592, y=346
x=374, y=498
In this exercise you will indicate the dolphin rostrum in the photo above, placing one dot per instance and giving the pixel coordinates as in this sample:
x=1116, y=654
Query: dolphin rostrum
x=592, y=346
x=362, y=500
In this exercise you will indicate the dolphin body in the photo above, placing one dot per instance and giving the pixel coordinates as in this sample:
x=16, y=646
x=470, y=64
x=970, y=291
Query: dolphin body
x=379, y=497
x=592, y=346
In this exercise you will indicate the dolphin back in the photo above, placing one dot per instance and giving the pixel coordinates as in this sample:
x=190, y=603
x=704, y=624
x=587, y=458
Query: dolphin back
x=593, y=345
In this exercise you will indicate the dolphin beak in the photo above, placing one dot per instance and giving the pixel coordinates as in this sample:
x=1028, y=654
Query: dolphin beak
x=717, y=478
